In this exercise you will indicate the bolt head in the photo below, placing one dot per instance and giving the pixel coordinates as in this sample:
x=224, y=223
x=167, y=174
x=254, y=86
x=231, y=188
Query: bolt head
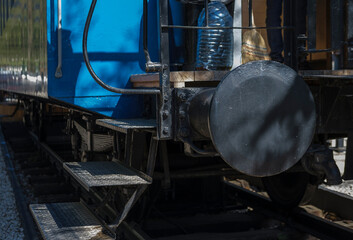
x=182, y=114
x=165, y=130
x=165, y=114
x=182, y=96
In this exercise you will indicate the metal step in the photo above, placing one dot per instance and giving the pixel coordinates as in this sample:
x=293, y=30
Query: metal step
x=122, y=125
x=63, y=221
x=104, y=174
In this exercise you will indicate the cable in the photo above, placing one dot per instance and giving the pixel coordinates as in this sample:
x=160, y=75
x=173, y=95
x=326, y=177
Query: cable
x=91, y=71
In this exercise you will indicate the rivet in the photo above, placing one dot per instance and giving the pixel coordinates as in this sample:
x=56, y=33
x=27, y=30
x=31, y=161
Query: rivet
x=165, y=114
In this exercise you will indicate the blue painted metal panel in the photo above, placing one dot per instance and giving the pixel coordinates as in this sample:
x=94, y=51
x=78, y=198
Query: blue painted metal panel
x=114, y=45
x=115, y=50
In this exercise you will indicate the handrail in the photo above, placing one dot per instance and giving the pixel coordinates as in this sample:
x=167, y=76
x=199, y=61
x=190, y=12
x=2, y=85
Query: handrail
x=145, y=32
x=216, y=27
x=150, y=66
x=58, y=72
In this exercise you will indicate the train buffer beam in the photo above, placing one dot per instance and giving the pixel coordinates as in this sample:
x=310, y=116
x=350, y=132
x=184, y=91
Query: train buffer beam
x=123, y=125
x=70, y=220
x=105, y=174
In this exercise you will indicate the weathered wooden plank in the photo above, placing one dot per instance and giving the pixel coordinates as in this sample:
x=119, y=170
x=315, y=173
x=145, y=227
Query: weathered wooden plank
x=177, y=79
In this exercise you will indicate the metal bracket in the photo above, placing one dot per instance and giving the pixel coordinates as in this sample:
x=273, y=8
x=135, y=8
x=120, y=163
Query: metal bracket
x=129, y=141
x=319, y=161
x=165, y=116
x=141, y=188
x=155, y=67
x=311, y=12
x=163, y=152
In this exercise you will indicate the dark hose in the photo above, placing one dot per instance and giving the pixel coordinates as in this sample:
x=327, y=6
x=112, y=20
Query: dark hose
x=91, y=71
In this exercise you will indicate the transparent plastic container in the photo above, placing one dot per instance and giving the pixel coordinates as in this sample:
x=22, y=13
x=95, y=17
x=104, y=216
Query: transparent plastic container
x=215, y=46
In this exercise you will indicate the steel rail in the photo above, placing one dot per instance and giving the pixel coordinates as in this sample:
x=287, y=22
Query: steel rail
x=21, y=202
x=297, y=218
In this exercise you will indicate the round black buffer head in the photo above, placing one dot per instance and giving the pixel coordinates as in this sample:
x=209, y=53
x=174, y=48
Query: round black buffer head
x=262, y=118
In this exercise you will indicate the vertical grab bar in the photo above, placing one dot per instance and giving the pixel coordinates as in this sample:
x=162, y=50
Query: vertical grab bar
x=58, y=72
x=206, y=12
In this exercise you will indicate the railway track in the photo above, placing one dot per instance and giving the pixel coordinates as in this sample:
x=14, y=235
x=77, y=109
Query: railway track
x=297, y=218
x=39, y=177
x=34, y=178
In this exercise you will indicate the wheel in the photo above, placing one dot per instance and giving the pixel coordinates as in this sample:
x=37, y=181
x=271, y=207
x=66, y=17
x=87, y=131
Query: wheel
x=287, y=189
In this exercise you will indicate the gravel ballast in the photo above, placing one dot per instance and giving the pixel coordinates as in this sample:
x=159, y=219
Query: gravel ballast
x=10, y=225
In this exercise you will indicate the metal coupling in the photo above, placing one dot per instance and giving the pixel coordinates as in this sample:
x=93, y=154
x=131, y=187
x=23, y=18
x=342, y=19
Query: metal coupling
x=155, y=66
x=319, y=161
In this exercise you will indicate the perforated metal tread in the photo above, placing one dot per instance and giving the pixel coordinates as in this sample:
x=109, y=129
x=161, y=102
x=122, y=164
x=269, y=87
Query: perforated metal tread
x=103, y=174
x=64, y=221
x=122, y=125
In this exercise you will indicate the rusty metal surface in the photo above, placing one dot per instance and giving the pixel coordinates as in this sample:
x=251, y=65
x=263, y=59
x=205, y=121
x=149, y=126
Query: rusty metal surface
x=327, y=74
x=122, y=125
